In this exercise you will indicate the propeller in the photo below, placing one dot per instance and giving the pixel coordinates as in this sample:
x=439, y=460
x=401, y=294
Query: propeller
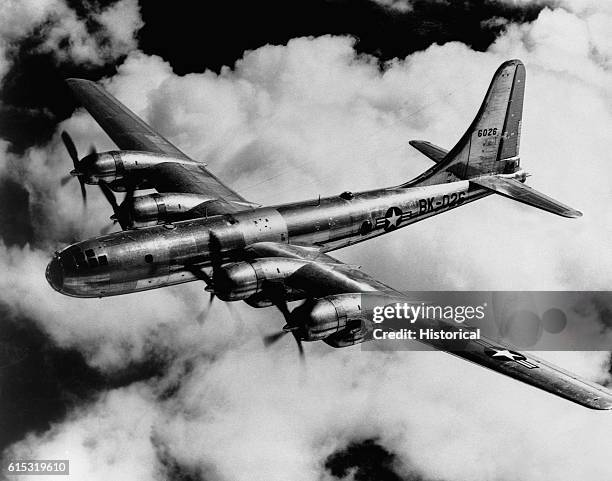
x=77, y=171
x=214, y=247
x=203, y=315
x=122, y=213
x=291, y=326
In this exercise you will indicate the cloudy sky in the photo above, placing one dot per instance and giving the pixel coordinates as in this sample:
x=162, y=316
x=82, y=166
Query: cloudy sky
x=286, y=101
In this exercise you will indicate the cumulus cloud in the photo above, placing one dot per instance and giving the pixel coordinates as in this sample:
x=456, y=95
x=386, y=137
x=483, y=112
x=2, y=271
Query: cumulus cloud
x=313, y=116
x=110, y=438
x=62, y=32
x=401, y=6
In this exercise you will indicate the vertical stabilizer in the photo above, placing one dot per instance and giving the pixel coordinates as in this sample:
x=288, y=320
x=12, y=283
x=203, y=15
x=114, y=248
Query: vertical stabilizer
x=491, y=143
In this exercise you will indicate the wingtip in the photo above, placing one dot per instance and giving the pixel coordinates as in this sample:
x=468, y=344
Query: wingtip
x=600, y=404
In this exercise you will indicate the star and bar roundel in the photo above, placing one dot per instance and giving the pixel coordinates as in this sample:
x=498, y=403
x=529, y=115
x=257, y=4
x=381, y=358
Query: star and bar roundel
x=503, y=354
x=393, y=219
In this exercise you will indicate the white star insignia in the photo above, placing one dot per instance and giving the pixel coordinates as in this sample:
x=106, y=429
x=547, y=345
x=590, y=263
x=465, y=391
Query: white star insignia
x=508, y=354
x=393, y=220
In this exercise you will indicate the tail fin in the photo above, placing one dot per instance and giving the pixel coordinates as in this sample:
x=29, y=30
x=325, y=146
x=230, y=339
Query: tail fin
x=435, y=153
x=491, y=143
x=488, y=153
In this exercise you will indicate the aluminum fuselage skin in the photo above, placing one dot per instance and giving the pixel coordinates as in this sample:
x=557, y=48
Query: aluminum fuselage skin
x=148, y=258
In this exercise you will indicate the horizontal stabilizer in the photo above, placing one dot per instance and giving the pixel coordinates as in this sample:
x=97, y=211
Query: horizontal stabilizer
x=518, y=191
x=432, y=151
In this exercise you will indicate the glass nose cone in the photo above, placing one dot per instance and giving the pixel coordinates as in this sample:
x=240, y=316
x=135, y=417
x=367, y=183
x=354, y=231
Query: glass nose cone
x=55, y=274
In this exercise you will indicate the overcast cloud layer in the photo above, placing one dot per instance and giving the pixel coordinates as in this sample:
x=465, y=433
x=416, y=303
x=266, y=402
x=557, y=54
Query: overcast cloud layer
x=291, y=122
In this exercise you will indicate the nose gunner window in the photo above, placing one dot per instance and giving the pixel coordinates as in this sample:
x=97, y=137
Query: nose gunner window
x=79, y=257
x=148, y=258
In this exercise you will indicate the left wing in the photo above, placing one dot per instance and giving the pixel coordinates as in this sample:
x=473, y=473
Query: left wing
x=130, y=132
x=324, y=275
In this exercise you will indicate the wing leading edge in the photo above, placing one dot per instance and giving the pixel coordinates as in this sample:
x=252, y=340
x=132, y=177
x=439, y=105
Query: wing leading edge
x=326, y=275
x=122, y=125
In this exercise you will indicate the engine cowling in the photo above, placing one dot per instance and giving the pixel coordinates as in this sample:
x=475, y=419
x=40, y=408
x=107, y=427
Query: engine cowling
x=328, y=316
x=153, y=209
x=114, y=166
x=239, y=281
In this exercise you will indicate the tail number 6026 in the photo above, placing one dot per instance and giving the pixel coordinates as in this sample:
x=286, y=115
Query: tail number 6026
x=487, y=132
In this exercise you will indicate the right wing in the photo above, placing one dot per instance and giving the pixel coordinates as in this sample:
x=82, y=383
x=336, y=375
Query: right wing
x=130, y=132
x=324, y=275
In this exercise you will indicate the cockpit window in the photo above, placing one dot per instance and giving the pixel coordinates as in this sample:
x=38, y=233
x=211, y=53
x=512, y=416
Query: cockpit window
x=148, y=258
x=82, y=263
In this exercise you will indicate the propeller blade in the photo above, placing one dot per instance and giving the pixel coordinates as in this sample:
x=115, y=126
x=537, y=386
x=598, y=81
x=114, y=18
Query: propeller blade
x=203, y=315
x=214, y=245
x=273, y=338
x=121, y=213
x=124, y=215
x=71, y=148
x=110, y=196
x=296, y=336
x=277, y=296
x=284, y=309
x=83, y=190
x=72, y=152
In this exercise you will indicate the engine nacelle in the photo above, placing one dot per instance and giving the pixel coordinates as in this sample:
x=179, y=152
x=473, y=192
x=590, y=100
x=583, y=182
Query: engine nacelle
x=328, y=316
x=239, y=281
x=114, y=166
x=153, y=209
x=262, y=299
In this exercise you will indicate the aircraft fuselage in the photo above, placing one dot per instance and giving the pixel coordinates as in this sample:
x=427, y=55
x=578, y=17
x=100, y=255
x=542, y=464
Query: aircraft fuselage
x=152, y=257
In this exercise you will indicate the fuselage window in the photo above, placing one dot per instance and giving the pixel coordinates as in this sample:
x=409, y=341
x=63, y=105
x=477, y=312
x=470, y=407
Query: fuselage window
x=93, y=262
x=102, y=260
x=148, y=258
x=90, y=253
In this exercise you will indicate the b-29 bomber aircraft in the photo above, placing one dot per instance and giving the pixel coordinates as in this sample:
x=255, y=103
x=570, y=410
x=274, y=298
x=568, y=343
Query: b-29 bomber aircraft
x=196, y=228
